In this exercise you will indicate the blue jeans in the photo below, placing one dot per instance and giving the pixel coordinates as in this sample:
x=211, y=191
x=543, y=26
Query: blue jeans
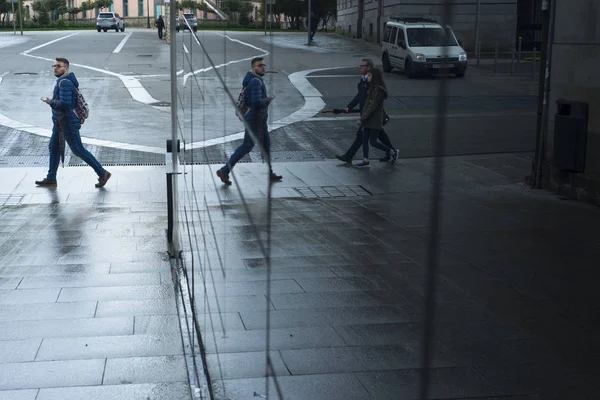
x=73, y=139
x=247, y=145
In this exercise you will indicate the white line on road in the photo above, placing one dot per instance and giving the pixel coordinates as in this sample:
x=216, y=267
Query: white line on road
x=26, y=53
x=332, y=76
x=2, y=75
x=265, y=53
x=313, y=105
x=429, y=116
x=36, y=130
x=120, y=46
x=185, y=49
x=135, y=88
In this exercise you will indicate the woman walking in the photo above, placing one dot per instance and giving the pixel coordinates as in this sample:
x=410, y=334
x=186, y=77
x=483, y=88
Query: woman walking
x=371, y=118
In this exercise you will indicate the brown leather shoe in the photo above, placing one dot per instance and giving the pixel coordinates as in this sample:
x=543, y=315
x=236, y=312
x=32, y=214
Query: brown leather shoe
x=46, y=182
x=103, y=179
x=224, y=177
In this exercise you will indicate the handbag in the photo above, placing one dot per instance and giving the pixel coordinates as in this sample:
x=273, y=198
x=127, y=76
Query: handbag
x=386, y=117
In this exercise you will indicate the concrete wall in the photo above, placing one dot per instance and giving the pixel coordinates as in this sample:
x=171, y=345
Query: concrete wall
x=498, y=18
x=574, y=76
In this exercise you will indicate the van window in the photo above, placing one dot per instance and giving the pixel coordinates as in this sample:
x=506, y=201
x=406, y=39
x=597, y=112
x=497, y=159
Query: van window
x=401, y=38
x=386, y=33
x=430, y=37
x=393, y=36
x=105, y=15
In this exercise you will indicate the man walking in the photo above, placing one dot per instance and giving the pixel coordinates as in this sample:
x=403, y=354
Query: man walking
x=160, y=24
x=365, y=67
x=66, y=125
x=255, y=97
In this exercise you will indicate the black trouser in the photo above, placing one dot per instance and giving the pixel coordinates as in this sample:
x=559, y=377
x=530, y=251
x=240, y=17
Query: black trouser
x=160, y=33
x=383, y=138
x=370, y=136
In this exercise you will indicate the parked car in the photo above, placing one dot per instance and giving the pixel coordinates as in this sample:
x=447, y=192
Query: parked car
x=109, y=20
x=191, y=19
x=421, y=45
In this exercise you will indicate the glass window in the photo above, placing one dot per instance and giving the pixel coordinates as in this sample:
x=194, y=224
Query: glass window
x=125, y=8
x=430, y=37
x=141, y=8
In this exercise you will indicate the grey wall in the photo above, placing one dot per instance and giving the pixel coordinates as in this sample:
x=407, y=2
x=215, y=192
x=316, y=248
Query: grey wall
x=498, y=18
x=575, y=76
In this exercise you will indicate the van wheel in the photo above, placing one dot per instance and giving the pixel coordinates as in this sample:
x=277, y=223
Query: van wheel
x=105, y=29
x=123, y=28
x=98, y=29
x=408, y=69
x=387, y=66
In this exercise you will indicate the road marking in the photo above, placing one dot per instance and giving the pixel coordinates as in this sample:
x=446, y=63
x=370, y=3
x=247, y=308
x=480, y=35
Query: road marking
x=185, y=49
x=133, y=86
x=264, y=54
x=2, y=75
x=36, y=130
x=313, y=105
x=430, y=116
x=26, y=53
x=120, y=46
x=332, y=76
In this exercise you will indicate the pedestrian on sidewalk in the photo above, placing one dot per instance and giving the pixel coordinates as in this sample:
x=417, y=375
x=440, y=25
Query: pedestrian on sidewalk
x=66, y=126
x=363, y=86
x=160, y=24
x=255, y=97
x=371, y=118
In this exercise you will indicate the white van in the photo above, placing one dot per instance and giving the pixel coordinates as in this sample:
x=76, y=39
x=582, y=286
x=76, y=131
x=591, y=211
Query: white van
x=417, y=46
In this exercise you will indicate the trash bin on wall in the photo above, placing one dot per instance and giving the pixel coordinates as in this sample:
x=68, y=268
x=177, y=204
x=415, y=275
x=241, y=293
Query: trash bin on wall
x=570, y=135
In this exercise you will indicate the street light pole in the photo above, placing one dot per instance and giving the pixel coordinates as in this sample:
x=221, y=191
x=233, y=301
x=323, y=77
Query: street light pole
x=309, y=24
x=148, y=11
x=12, y=4
x=20, y=17
x=478, y=10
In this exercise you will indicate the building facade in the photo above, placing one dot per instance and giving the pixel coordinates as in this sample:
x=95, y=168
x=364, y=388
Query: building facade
x=497, y=18
x=574, y=78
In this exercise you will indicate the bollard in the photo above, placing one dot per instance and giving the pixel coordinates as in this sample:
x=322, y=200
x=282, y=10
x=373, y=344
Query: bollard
x=519, y=50
x=496, y=57
x=533, y=62
x=478, y=51
x=512, y=60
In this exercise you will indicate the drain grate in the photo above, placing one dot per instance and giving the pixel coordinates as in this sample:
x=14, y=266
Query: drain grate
x=333, y=191
x=11, y=199
x=25, y=73
x=161, y=104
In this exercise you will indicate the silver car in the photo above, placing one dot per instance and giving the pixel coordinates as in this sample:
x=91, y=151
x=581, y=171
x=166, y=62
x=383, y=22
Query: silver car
x=191, y=19
x=109, y=20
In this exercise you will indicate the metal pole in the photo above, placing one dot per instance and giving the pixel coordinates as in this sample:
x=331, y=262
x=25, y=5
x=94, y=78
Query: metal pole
x=496, y=57
x=265, y=13
x=533, y=61
x=309, y=24
x=478, y=51
x=519, y=50
x=148, y=11
x=512, y=60
x=20, y=17
x=547, y=81
x=477, y=11
x=12, y=14
x=174, y=146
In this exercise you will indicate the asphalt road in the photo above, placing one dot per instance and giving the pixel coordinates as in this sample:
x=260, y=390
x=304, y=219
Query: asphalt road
x=125, y=79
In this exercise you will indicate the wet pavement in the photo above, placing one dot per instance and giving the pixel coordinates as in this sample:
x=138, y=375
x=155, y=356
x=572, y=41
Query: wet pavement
x=88, y=308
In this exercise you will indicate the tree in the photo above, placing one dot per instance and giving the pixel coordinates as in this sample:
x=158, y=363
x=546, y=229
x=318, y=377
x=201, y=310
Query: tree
x=295, y=10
